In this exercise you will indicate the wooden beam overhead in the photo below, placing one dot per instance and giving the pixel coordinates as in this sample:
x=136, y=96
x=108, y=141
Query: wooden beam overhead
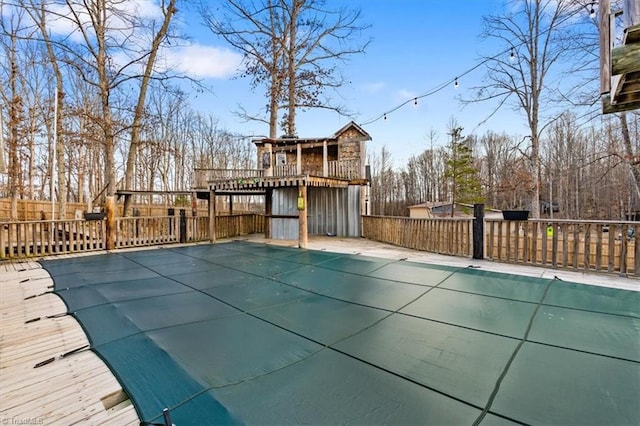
x=625, y=59
x=609, y=108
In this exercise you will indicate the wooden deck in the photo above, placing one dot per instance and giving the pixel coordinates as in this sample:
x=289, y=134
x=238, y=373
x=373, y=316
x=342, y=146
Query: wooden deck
x=75, y=389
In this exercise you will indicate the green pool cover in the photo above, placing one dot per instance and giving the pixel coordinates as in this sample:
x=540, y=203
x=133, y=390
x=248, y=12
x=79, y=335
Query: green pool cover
x=248, y=333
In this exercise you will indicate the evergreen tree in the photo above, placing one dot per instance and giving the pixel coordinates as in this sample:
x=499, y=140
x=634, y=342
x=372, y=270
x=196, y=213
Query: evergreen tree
x=463, y=176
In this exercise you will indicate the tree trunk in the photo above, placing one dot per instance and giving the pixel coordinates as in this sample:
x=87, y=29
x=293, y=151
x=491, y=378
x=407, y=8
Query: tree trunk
x=14, y=108
x=142, y=95
x=634, y=164
x=291, y=68
x=59, y=147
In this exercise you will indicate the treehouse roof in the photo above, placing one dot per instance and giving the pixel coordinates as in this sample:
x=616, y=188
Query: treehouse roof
x=351, y=131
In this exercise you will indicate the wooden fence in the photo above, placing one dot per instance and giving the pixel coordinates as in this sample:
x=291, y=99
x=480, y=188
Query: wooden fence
x=40, y=238
x=32, y=210
x=445, y=236
x=598, y=246
x=586, y=246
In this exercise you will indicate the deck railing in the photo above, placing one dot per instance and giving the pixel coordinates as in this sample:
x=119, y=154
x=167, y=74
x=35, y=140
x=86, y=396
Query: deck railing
x=585, y=246
x=445, y=236
x=341, y=169
x=203, y=176
x=284, y=170
x=345, y=169
x=42, y=238
x=589, y=246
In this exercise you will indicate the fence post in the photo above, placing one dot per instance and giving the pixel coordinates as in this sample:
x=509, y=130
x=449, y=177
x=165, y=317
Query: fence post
x=478, y=231
x=212, y=215
x=110, y=210
x=171, y=213
x=183, y=226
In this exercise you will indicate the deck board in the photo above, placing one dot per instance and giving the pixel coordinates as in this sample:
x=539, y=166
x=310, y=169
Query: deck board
x=68, y=390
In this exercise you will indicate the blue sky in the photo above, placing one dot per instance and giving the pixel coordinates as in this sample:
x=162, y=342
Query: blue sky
x=416, y=46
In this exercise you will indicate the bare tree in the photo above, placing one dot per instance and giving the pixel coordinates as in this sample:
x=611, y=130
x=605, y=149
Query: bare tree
x=38, y=15
x=290, y=47
x=168, y=10
x=533, y=32
x=13, y=97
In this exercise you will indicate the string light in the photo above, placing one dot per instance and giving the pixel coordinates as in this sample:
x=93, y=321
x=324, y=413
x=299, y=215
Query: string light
x=456, y=84
x=592, y=12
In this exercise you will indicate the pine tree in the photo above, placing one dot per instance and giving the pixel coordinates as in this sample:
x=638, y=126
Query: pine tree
x=463, y=176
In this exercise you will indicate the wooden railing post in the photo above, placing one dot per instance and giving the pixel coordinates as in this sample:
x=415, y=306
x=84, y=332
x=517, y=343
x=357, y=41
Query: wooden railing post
x=110, y=211
x=325, y=163
x=268, y=210
x=182, y=235
x=478, y=231
x=302, y=216
x=212, y=216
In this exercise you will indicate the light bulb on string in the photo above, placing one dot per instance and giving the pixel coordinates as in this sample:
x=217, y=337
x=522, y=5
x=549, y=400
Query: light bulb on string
x=592, y=12
x=512, y=56
x=455, y=83
x=385, y=116
x=415, y=101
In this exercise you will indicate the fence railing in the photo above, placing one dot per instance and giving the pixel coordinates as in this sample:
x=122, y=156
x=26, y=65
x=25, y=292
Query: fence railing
x=445, y=236
x=283, y=170
x=42, y=238
x=599, y=246
x=203, y=176
x=345, y=169
x=342, y=169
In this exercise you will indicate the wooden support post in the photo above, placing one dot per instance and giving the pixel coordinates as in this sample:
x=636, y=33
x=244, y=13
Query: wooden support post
x=302, y=218
x=182, y=227
x=605, y=46
x=478, y=231
x=325, y=160
x=298, y=159
x=268, y=210
x=230, y=205
x=363, y=159
x=110, y=211
x=267, y=163
x=212, y=216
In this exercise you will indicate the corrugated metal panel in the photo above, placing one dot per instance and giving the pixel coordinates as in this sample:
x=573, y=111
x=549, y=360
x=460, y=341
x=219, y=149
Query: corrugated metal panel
x=285, y=201
x=331, y=211
x=334, y=211
x=353, y=209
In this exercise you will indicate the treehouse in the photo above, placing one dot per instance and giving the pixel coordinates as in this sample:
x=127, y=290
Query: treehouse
x=620, y=63
x=312, y=186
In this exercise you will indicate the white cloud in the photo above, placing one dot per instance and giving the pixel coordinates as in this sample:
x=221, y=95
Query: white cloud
x=60, y=20
x=147, y=9
x=403, y=95
x=201, y=61
x=373, y=88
